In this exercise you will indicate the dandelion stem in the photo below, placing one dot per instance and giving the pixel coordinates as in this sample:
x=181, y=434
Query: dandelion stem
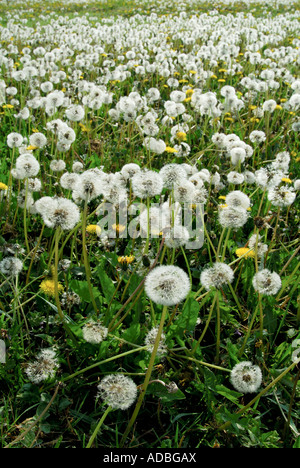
x=56, y=293
x=85, y=258
x=218, y=326
x=249, y=330
x=25, y=216
x=207, y=323
x=100, y=363
x=147, y=377
x=97, y=429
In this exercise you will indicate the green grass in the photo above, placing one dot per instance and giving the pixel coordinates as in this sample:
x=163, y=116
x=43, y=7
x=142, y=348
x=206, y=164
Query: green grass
x=206, y=411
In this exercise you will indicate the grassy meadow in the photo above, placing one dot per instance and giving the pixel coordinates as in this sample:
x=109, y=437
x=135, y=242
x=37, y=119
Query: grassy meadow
x=149, y=213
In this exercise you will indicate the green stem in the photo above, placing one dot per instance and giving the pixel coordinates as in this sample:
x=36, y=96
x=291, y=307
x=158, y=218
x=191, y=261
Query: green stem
x=206, y=364
x=100, y=363
x=85, y=258
x=236, y=301
x=147, y=377
x=225, y=244
x=97, y=429
x=218, y=333
x=146, y=250
x=207, y=323
x=25, y=217
x=249, y=331
x=56, y=293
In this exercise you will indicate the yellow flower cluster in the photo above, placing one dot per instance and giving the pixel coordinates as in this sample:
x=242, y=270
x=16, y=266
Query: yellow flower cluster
x=93, y=229
x=126, y=259
x=245, y=252
x=47, y=286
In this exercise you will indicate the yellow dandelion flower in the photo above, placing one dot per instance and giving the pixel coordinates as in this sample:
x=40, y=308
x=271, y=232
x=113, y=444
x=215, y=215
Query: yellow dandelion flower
x=188, y=99
x=93, y=229
x=8, y=106
x=286, y=179
x=119, y=228
x=126, y=259
x=278, y=107
x=222, y=70
x=214, y=77
x=221, y=80
x=31, y=147
x=222, y=197
x=3, y=186
x=47, y=286
x=169, y=149
x=245, y=252
x=83, y=127
x=181, y=136
x=189, y=91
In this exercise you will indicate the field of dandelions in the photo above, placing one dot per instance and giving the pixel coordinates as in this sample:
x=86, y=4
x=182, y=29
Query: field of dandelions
x=150, y=109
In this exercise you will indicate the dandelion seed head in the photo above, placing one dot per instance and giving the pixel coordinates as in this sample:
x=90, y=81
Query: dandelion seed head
x=150, y=341
x=246, y=377
x=11, y=266
x=117, y=391
x=266, y=282
x=43, y=368
x=167, y=285
x=216, y=276
x=94, y=332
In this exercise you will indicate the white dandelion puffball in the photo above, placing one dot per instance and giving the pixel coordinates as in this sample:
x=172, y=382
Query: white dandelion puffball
x=11, y=266
x=266, y=282
x=117, y=391
x=94, y=332
x=150, y=341
x=58, y=212
x=43, y=368
x=233, y=217
x=246, y=377
x=147, y=184
x=238, y=199
x=216, y=276
x=167, y=285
